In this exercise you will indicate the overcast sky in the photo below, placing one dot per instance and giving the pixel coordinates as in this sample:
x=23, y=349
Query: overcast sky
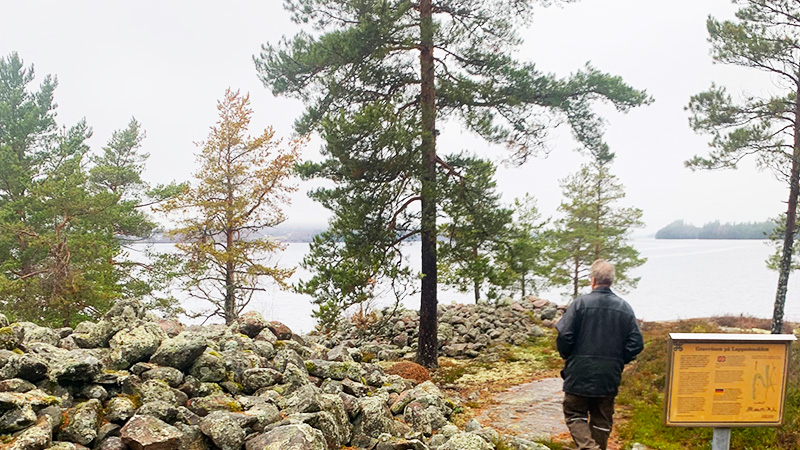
x=168, y=62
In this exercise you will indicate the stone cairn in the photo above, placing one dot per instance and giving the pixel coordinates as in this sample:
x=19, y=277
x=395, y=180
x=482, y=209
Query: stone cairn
x=133, y=381
x=465, y=330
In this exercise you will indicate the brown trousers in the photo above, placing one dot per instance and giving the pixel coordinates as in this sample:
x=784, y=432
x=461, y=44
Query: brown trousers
x=589, y=420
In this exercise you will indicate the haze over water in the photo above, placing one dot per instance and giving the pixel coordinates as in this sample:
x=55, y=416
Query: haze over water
x=681, y=279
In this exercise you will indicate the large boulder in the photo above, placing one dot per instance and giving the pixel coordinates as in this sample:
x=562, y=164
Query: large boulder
x=466, y=441
x=149, y=433
x=130, y=346
x=224, y=430
x=290, y=437
x=181, y=351
x=84, y=420
x=251, y=323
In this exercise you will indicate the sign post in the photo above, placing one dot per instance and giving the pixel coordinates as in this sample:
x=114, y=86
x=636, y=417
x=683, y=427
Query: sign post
x=726, y=380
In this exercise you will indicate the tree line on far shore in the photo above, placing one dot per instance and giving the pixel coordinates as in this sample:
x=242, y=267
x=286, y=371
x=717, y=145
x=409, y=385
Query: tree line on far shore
x=716, y=230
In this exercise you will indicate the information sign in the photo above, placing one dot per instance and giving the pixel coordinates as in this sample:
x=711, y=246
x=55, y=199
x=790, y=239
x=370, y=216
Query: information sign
x=724, y=380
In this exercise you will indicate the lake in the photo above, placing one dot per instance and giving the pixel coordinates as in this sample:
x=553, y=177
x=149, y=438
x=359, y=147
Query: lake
x=681, y=279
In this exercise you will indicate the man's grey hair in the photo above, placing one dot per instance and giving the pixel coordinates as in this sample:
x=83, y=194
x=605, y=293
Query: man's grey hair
x=603, y=272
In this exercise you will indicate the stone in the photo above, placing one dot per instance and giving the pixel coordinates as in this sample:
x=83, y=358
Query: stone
x=289, y=437
x=16, y=385
x=333, y=369
x=37, y=437
x=179, y=352
x=112, y=443
x=149, y=433
x=157, y=390
x=224, y=430
x=28, y=367
x=251, y=323
x=203, y=406
x=257, y=378
x=136, y=344
x=84, y=420
x=466, y=441
x=208, y=367
x=164, y=411
x=76, y=366
x=120, y=409
x=192, y=438
x=548, y=313
x=35, y=399
x=169, y=375
x=17, y=419
x=281, y=331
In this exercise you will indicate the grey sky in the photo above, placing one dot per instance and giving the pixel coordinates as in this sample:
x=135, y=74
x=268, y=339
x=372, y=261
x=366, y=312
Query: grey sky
x=167, y=63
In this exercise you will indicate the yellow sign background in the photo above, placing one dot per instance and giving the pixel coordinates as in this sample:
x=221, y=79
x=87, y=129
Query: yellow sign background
x=726, y=383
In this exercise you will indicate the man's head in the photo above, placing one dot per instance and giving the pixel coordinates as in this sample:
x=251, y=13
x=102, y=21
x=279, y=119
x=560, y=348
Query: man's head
x=602, y=273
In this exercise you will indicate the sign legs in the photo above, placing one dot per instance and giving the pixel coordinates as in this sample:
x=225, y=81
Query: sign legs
x=721, y=439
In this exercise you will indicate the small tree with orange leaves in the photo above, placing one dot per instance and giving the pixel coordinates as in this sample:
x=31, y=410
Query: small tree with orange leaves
x=240, y=188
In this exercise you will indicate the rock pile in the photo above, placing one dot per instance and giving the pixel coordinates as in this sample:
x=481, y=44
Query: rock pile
x=465, y=330
x=131, y=381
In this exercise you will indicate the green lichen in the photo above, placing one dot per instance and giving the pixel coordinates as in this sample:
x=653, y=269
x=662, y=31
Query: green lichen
x=310, y=366
x=6, y=330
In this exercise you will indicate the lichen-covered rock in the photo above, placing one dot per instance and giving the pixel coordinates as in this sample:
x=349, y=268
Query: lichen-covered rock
x=263, y=415
x=169, y=375
x=261, y=377
x=203, y=406
x=181, y=351
x=17, y=419
x=157, y=390
x=75, y=366
x=84, y=420
x=37, y=437
x=28, y=367
x=120, y=409
x=160, y=410
x=251, y=323
x=149, y=433
x=28, y=333
x=208, y=367
x=136, y=344
x=289, y=437
x=192, y=438
x=375, y=417
x=112, y=443
x=16, y=385
x=466, y=441
x=35, y=398
x=333, y=369
x=224, y=430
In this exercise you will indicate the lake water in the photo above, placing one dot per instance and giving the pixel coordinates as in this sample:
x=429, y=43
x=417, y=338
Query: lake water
x=681, y=279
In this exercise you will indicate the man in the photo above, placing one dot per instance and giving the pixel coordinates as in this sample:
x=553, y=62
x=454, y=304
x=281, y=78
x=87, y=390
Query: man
x=597, y=336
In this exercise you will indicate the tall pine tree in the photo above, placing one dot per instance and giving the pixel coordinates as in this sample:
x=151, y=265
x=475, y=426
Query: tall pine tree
x=765, y=36
x=377, y=77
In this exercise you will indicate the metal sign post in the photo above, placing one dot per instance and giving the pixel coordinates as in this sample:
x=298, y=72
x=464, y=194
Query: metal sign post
x=726, y=380
x=721, y=439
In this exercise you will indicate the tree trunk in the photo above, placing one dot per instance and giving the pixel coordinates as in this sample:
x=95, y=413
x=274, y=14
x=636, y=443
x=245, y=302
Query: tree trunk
x=523, y=284
x=427, y=351
x=791, y=218
x=230, y=285
x=476, y=285
x=575, y=278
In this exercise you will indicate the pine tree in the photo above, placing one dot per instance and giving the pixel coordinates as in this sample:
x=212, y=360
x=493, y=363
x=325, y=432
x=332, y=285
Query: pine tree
x=765, y=36
x=378, y=75
x=593, y=227
x=241, y=185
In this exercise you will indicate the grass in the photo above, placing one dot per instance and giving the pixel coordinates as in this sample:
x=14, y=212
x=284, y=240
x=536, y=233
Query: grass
x=641, y=398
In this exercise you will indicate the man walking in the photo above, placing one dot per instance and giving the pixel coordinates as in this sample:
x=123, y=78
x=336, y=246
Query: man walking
x=597, y=336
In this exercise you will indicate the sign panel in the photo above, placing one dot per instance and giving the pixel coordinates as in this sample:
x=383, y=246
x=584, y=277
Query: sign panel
x=726, y=380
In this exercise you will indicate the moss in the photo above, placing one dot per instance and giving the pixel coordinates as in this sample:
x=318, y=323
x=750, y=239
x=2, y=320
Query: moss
x=310, y=366
x=367, y=357
x=18, y=351
x=6, y=330
x=215, y=353
x=234, y=406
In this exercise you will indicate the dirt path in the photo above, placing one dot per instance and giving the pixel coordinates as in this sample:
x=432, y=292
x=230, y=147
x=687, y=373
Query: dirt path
x=532, y=411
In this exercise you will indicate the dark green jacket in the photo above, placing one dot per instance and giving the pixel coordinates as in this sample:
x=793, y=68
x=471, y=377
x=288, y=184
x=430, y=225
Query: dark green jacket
x=597, y=336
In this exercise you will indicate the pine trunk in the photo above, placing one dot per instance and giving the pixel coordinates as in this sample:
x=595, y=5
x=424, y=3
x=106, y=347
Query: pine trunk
x=427, y=352
x=791, y=223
